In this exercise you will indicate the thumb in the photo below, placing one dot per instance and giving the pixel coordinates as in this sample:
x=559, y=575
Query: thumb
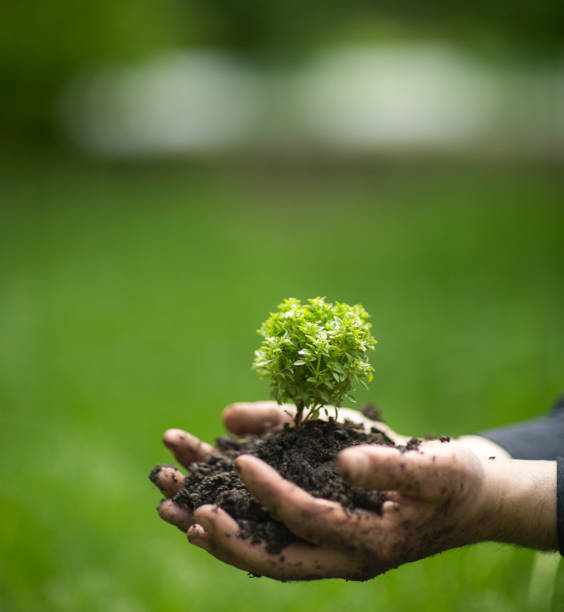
x=429, y=474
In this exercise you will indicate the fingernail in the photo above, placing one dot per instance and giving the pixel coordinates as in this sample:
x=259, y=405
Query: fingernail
x=195, y=533
x=204, y=521
x=353, y=465
x=155, y=474
x=172, y=437
x=240, y=464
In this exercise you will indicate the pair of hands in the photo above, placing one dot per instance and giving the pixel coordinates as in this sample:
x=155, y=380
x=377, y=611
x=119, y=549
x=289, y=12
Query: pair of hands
x=436, y=498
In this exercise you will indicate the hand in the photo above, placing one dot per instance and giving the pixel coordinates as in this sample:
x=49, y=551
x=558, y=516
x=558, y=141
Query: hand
x=240, y=419
x=435, y=501
x=439, y=497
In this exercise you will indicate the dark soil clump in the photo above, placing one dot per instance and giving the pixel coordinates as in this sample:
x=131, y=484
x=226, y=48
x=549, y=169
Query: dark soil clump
x=306, y=456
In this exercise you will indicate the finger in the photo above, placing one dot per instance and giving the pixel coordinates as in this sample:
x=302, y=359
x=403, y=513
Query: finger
x=348, y=414
x=316, y=520
x=259, y=417
x=169, y=479
x=185, y=447
x=198, y=536
x=428, y=474
x=256, y=417
x=174, y=514
x=296, y=561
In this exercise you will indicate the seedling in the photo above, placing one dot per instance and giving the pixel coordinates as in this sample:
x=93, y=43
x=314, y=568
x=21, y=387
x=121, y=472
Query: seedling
x=315, y=354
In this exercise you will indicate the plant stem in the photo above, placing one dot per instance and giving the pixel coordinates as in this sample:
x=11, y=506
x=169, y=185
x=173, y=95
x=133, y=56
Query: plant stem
x=299, y=414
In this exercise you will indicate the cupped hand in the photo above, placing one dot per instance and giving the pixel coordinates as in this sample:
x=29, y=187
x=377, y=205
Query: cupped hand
x=435, y=500
x=439, y=496
x=426, y=510
x=241, y=419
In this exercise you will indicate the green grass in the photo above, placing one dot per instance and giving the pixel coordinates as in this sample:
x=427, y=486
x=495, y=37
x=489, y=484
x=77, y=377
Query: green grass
x=123, y=289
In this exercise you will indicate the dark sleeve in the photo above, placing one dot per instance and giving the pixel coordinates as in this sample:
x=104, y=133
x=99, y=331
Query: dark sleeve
x=560, y=502
x=541, y=438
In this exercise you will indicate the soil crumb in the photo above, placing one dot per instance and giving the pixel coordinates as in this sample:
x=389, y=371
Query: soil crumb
x=306, y=456
x=370, y=411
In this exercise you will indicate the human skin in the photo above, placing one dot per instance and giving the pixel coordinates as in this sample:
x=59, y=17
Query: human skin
x=440, y=496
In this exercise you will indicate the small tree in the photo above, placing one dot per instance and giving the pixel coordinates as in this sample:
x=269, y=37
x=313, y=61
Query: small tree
x=315, y=353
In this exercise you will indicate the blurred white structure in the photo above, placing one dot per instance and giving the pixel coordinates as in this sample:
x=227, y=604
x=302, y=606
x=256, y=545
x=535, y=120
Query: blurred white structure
x=180, y=103
x=354, y=100
x=408, y=97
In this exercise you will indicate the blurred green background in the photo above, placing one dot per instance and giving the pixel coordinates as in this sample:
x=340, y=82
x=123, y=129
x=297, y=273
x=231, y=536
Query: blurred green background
x=131, y=289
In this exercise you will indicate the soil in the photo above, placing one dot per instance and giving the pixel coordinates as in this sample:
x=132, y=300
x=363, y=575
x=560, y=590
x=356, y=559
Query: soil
x=306, y=456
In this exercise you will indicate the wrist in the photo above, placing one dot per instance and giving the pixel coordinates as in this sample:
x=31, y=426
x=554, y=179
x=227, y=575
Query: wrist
x=518, y=503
